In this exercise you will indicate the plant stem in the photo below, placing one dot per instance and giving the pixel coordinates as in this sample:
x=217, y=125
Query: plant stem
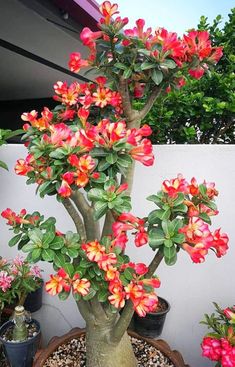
x=92, y=227
x=75, y=217
x=154, y=264
x=123, y=323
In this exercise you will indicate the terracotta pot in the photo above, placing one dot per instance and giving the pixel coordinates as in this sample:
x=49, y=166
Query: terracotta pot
x=42, y=355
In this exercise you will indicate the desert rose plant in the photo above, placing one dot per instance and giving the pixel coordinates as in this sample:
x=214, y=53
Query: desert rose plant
x=17, y=279
x=84, y=152
x=219, y=344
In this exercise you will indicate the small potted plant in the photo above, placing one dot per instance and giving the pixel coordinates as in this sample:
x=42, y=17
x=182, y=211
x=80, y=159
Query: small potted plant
x=219, y=344
x=20, y=336
x=152, y=324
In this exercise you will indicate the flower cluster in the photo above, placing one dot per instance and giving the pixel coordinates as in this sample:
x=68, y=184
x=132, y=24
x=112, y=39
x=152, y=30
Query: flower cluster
x=125, y=281
x=17, y=279
x=221, y=346
x=65, y=157
x=118, y=279
x=62, y=282
x=147, y=56
x=14, y=219
x=183, y=220
x=125, y=222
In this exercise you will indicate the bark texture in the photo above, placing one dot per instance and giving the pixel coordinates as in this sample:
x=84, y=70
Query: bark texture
x=103, y=353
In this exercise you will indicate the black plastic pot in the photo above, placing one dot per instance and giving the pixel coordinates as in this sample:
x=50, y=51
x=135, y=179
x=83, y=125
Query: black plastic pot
x=152, y=324
x=20, y=354
x=33, y=300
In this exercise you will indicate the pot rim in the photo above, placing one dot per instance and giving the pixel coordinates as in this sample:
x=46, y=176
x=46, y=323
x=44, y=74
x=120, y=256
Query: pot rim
x=43, y=354
x=5, y=342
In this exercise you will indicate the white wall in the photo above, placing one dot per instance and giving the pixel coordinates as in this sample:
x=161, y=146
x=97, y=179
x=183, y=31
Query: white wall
x=190, y=288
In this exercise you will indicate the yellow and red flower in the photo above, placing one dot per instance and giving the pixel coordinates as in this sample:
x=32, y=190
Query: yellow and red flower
x=81, y=286
x=94, y=250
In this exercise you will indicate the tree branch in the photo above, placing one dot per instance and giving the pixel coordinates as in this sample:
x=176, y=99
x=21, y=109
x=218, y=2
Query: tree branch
x=107, y=227
x=150, y=102
x=154, y=264
x=75, y=217
x=123, y=323
x=85, y=310
x=130, y=114
x=91, y=226
x=97, y=309
x=129, y=177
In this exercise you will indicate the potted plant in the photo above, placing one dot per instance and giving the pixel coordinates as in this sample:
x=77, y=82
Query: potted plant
x=83, y=152
x=152, y=324
x=219, y=344
x=20, y=338
x=17, y=279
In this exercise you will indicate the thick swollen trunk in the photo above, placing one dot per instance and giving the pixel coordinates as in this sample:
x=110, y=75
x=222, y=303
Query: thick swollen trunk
x=102, y=353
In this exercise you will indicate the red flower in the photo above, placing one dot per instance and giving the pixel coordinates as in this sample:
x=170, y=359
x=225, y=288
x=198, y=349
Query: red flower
x=174, y=186
x=143, y=152
x=211, y=348
x=81, y=286
x=220, y=243
x=76, y=62
x=64, y=190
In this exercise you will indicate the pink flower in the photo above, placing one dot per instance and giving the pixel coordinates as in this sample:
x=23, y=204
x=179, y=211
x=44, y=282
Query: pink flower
x=220, y=243
x=5, y=281
x=36, y=271
x=174, y=186
x=65, y=190
x=143, y=152
x=197, y=252
x=211, y=348
x=228, y=354
x=76, y=62
x=141, y=269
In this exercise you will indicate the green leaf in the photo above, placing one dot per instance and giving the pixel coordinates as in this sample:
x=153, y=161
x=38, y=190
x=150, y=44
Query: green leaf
x=48, y=254
x=147, y=65
x=157, y=76
x=29, y=247
x=48, y=223
x=170, y=255
x=169, y=63
x=72, y=252
x=57, y=243
x=124, y=160
x=59, y=153
x=163, y=214
x=63, y=295
x=210, y=204
x=155, y=198
x=156, y=237
x=84, y=263
x=59, y=260
x=103, y=165
x=182, y=208
x=68, y=267
x=95, y=194
x=168, y=243
x=205, y=217
x=48, y=237
x=102, y=295
x=128, y=273
x=77, y=296
x=3, y=165
x=14, y=240
x=153, y=217
x=100, y=209
x=179, y=200
x=178, y=238
x=36, y=254
x=119, y=65
x=90, y=295
x=203, y=189
x=112, y=158
x=36, y=235
x=127, y=73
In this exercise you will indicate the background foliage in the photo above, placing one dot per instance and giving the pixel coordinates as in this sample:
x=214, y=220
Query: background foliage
x=202, y=112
